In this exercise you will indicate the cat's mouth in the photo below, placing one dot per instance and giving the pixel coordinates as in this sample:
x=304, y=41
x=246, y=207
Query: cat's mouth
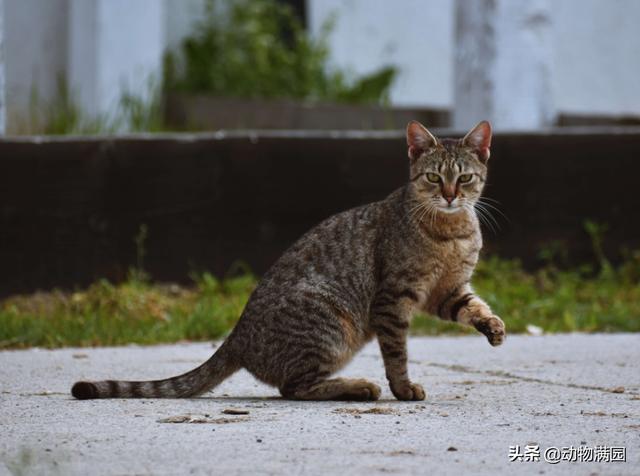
x=450, y=208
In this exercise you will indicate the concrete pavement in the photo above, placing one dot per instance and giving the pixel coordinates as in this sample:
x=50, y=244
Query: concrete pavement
x=550, y=391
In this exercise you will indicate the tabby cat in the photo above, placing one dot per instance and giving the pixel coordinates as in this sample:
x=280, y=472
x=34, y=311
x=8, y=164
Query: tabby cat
x=359, y=274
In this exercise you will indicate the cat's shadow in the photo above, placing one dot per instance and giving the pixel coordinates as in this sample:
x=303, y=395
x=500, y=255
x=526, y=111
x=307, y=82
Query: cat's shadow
x=278, y=399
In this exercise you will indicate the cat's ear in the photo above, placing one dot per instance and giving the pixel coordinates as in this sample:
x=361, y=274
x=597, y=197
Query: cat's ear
x=419, y=139
x=479, y=139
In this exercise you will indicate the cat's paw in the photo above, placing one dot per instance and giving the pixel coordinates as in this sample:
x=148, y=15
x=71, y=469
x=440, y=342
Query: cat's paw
x=365, y=391
x=493, y=328
x=408, y=391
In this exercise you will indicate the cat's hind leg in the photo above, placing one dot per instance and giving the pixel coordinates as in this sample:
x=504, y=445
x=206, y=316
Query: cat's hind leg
x=332, y=389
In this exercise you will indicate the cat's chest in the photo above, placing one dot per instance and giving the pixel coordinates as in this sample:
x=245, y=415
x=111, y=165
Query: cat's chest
x=452, y=253
x=447, y=265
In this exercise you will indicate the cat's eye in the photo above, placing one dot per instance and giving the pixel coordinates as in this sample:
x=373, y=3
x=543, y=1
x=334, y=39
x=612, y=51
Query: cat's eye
x=433, y=178
x=466, y=178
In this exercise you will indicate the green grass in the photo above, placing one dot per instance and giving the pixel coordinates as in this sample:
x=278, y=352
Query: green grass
x=138, y=311
x=555, y=300
x=134, y=311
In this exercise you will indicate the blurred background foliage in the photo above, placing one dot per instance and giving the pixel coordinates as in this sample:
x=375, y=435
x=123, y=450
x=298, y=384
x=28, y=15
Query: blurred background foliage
x=595, y=297
x=260, y=49
x=246, y=49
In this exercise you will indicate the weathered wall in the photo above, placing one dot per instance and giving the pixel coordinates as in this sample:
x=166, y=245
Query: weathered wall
x=503, y=64
x=69, y=209
x=2, y=85
x=35, y=41
x=416, y=36
x=114, y=46
x=597, y=56
x=595, y=49
x=101, y=48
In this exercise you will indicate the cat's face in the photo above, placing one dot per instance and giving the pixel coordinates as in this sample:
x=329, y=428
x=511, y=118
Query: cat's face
x=448, y=175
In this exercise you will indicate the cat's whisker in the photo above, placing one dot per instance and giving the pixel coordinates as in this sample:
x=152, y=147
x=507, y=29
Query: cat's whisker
x=484, y=221
x=486, y=218
x=482, y=200
x=416, y=210
x=420, y=216
x=419, y=205
x=488, y=211
x=427, y=210
x=478, y=212
x=411, y=211
x=434, y=215
x=490, y=199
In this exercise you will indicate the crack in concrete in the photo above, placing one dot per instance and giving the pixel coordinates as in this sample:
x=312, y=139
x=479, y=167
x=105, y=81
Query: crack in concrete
x=505, y=374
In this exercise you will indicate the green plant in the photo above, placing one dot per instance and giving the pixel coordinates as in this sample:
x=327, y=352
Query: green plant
x=140, y=311
x=142, y=113
x=554, y=253
x=596, y=232
x=62, y=115
x=553, y=299
x=137, y=273
x=258, y=48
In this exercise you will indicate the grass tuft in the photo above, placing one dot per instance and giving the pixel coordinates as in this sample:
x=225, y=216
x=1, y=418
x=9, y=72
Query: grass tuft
x=138, y=311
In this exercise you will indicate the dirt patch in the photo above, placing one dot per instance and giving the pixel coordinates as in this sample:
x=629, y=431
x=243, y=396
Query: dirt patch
x=368, y=411
x=484, y=382
x=401, y=453
x=200, y=419
x=605, y=414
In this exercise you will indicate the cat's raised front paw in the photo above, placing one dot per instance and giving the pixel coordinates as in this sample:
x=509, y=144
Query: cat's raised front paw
x=408, y=391
x=493, y=328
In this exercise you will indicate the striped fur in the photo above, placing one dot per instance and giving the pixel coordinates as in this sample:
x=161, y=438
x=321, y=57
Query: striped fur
x=193, y=383
x=358, y=275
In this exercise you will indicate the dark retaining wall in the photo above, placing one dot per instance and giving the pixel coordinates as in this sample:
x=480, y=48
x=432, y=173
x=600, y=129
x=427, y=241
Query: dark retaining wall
x=70, y=208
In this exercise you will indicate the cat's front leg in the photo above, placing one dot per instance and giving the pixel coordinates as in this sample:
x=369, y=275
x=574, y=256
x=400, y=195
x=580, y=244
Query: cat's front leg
x=465, y=307
x=391, y=327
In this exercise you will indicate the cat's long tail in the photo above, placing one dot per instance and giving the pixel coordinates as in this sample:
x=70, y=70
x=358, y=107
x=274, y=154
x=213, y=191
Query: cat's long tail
x=220, y=366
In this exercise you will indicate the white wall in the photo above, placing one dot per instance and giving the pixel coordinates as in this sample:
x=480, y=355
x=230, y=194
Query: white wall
x=114, y=46
x=597, y=56
x=596, y=47
x=414, y=35
x=2, y=91
x=82, y=42
x=503, y=64
x=35, y=51
x=102, y=45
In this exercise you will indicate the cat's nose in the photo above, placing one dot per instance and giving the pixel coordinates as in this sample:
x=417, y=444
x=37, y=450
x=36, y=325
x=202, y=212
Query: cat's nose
x=449, y=198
